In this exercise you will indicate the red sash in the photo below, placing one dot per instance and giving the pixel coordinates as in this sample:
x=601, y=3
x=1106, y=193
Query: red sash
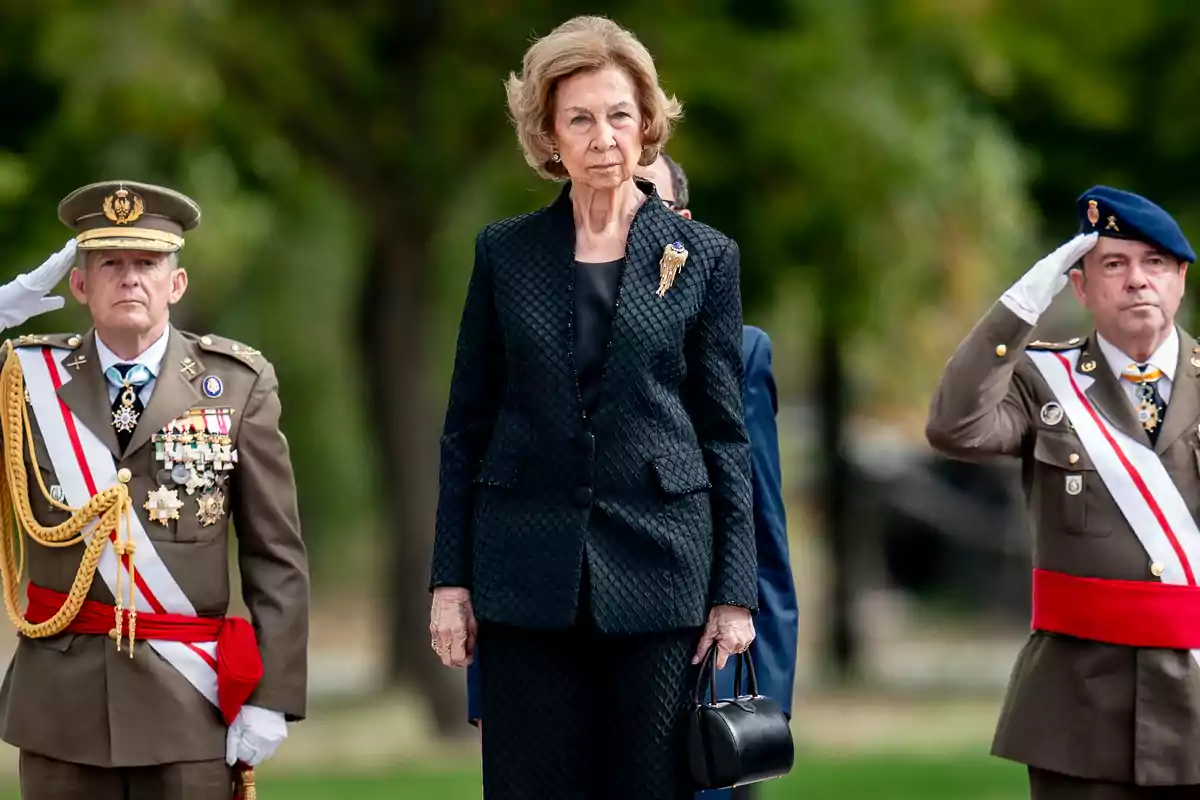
x=1131, y=613
x=238, y=664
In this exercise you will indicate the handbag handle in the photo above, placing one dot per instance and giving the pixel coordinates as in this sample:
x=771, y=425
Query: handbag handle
x=709, y=667
x=737, y=673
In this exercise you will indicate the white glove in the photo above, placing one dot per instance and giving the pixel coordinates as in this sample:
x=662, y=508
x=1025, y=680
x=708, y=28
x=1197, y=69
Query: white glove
x=254, y=735
x=1029, y=297
x=25, y=296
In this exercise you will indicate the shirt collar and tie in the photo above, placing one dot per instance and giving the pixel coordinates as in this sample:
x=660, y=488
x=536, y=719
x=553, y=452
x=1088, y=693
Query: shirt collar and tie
x=143, y=369
x=130, y=383
x=1165, y=359
x=1147, y=384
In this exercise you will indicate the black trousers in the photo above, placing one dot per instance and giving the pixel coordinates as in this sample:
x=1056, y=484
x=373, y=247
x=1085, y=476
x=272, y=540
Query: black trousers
x=577, y=715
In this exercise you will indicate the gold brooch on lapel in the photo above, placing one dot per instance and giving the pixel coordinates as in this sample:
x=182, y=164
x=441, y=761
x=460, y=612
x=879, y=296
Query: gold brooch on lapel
x=673, y=258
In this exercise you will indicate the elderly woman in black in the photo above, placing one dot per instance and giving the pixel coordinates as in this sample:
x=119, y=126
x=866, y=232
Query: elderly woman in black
x=595, y=504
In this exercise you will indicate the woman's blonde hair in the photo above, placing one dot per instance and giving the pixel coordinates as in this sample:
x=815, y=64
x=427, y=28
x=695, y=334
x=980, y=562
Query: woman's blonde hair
x=579, y=45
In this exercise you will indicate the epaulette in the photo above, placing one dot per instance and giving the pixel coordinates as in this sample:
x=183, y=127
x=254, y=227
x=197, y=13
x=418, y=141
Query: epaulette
x=235, y=350
x=1070, y=344
x=64, y=341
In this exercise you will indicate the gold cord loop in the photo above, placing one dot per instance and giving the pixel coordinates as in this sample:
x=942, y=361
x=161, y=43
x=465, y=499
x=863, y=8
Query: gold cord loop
x=108, y=510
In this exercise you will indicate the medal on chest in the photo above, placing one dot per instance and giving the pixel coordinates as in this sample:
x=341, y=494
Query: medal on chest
x=197, y=455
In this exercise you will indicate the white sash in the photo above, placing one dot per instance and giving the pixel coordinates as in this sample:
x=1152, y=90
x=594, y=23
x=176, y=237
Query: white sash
x=1132, y=472
x=84, y=466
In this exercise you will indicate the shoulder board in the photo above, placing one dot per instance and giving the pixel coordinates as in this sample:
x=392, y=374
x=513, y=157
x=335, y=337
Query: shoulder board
x=244, y=353
x=65, y=341
x=1070, y=344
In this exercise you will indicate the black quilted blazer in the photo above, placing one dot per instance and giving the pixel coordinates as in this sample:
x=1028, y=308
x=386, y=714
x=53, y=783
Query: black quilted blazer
x=654, y=485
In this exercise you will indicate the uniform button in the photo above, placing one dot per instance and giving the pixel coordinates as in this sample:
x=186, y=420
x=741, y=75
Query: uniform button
x=124, y=475
x=582, y=496
x=113, y=634
x=73, y=341
x=1156, y=569
x=1073, y=458
x=1001, y=350
x=206, y=341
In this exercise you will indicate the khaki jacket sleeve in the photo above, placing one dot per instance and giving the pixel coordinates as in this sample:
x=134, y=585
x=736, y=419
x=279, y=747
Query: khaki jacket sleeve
x=271, y=552
x=982, y=406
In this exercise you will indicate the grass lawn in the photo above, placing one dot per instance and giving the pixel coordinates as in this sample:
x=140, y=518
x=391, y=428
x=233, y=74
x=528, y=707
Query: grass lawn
x=882, y=777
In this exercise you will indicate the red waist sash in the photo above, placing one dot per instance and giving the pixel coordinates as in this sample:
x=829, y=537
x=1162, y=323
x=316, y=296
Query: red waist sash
x=238, y=663
x=1132, y=613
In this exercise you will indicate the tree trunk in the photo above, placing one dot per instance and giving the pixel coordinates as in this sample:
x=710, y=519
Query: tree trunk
x=394, y=312
x=836, y=488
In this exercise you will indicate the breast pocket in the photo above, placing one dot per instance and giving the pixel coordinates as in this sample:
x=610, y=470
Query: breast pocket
x=500, y=468
x=203, y=518
x=1069, y=496
x=682, y=473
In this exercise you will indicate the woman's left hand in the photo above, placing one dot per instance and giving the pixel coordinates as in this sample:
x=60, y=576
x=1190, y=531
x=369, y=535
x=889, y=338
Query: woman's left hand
x=730, y=628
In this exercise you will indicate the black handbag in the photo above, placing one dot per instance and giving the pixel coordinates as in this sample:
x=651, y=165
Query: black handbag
x=740, y=740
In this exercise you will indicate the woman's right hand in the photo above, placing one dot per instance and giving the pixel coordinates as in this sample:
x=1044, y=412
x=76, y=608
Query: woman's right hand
x=452, y=626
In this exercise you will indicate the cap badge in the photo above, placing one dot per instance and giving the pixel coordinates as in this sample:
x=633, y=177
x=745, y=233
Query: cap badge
x=123, y=206
x=1112, y=224
x=1093, y=213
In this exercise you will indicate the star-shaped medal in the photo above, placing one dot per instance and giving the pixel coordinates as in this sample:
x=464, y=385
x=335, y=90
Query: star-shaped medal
x=125, y=419
x=211, y=508
x=163, y=504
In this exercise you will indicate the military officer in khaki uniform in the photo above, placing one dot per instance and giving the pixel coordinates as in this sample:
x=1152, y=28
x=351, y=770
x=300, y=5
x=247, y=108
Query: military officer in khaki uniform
x=144, y=444
x=1104, y=700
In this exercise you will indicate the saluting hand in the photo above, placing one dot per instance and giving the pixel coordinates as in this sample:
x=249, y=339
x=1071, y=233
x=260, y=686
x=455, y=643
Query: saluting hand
x=730, y=628
x=452, y=626
x=1036, y=289
x=25, y=296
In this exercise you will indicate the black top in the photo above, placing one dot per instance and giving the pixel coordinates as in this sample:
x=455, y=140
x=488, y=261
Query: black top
x=595, y=302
